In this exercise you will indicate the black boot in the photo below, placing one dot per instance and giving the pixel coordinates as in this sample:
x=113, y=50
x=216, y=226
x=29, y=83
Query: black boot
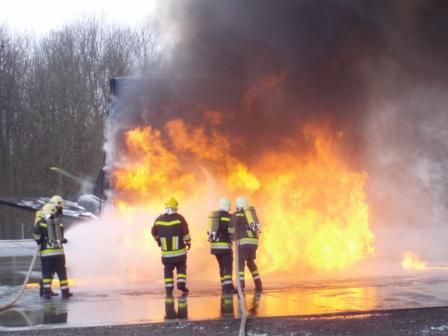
x=47, y=293
x=66, y=293
x=228, y=289
x=182, y=287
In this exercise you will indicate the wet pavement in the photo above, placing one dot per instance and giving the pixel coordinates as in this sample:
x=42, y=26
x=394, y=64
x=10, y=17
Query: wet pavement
x=142, y=303
x=130, y=306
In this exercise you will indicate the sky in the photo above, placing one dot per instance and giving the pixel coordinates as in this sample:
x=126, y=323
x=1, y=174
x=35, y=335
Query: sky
x=41, y=16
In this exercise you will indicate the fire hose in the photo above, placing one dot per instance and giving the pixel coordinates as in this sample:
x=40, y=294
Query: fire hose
x=242, y=300
x=22, y=288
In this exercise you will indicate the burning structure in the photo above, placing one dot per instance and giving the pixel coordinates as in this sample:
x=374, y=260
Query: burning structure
x=318, y=111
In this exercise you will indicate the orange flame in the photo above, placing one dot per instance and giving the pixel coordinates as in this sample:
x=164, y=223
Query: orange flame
x=312, y=206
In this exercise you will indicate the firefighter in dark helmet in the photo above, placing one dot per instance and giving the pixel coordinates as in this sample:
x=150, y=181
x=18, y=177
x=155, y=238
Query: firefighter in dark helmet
x=49, y=234
x=170, y=230
x=219, y=233
x=247, y=228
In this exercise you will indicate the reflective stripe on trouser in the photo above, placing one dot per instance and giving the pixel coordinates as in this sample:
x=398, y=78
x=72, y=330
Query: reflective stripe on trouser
x=47, y=282
x=169, y=282
x=181, y=268
x=181, y=278
x=54, y=264
x=255, y=275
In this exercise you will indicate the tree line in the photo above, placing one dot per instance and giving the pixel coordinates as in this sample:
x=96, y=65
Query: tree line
x=54, y=96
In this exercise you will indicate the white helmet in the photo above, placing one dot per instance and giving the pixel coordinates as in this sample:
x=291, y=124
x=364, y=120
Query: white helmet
x=242, y=202
x=224, y=204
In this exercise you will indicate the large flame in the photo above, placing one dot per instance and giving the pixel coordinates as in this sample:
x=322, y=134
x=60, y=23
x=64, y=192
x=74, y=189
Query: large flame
x=312, y=205
x=411, y=261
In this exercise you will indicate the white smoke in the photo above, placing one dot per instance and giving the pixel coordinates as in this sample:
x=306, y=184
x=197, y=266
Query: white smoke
x=406, y=156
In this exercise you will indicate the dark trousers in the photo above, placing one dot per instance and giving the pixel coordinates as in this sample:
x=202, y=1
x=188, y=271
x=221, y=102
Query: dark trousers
x=225, y=262
x=41, y=282
x=181, y=268
x=247, y=256
x=51, y=265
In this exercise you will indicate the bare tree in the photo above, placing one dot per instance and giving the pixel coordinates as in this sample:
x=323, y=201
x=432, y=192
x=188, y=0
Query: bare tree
x=54, y=95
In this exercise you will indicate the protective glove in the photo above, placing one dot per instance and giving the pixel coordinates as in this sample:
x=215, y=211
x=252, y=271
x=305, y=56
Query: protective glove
x=188, y=245
x=64, y=241
x=158, y=242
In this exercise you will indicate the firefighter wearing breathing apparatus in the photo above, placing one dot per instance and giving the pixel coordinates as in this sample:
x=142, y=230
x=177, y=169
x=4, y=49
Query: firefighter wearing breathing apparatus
x=49, y=234
x=170, y=231
x=37, y=218
x=58, y=201
x=219, y=233
x=247, y=229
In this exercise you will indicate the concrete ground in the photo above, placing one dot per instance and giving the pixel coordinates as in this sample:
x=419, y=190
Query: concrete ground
x=413, y=304
x=425, y=321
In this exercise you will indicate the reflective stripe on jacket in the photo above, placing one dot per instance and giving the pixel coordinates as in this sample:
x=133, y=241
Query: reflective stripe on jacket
x=171, y=230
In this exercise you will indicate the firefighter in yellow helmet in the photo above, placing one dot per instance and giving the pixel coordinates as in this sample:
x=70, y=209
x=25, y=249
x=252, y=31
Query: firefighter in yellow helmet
x=58, y=201
x=49, y=234
x=246, y=226
x=170, y=230
x=219, y=234
x=37, y=217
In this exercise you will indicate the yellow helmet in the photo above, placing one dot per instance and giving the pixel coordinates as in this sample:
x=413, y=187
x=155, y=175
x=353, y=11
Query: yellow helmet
x=49, y=209
x=58, y=201
x=171, y=203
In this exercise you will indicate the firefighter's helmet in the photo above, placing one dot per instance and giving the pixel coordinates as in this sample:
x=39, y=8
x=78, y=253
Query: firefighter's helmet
x=171, y=203
x=48, y=210
x=242, y=202
x=58, y=201
x=224, y=204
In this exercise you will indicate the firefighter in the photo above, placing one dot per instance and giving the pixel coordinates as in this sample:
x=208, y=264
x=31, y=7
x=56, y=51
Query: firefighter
x=246, y=237
x=50, y=236
x=221, y=244
x=58, y=201
x=37, y=218
x=170, y=230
